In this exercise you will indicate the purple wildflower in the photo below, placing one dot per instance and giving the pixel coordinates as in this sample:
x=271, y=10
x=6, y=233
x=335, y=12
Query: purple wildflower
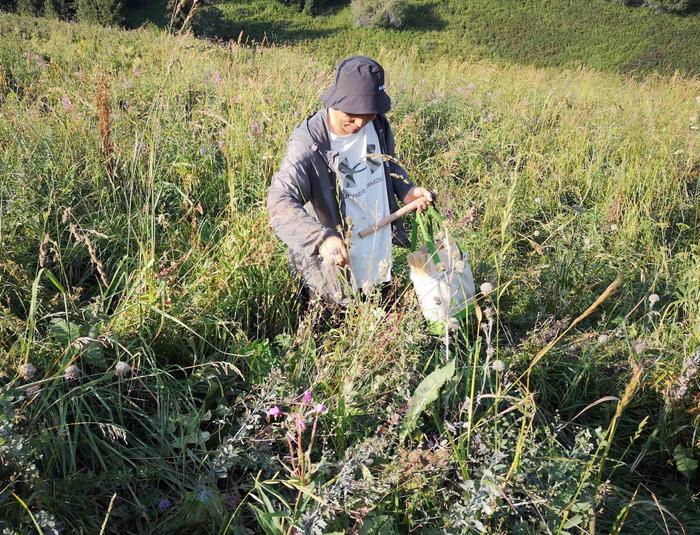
x=274, y=412
x=300, y=422
x=164, y=504
x=321, y=408
x=308, y=396
x=27, y=371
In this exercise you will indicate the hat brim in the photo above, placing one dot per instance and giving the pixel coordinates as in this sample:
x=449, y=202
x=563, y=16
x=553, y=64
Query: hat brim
x=358, y=103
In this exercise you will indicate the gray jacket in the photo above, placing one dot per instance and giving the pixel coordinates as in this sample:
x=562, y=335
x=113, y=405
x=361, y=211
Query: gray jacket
x=305, y=207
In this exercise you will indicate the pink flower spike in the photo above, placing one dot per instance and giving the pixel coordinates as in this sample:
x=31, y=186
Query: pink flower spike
x=301, y=423
x=308, y=396
x=274, y=412
x=321, y=409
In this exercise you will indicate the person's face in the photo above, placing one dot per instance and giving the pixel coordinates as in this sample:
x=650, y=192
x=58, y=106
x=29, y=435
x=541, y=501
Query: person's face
x=349, y=123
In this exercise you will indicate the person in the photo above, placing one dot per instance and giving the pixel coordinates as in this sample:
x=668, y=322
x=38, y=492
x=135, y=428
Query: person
x=338, y=176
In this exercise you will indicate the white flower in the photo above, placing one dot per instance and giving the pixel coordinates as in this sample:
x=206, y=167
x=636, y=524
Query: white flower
x=653, y=299
x=538, y=200
x=603, y=339
x=614, y=227
x=486, y=288
x=536, y=233
x=498, y=365
x=587, y=242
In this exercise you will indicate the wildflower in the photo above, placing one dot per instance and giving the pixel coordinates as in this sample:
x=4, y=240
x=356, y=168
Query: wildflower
x=538, y=200
x=202, y=150
x=164, y=504
x=486, y=288
x=274, y=412
x=67, y=104
x=453, y=324
x=308, y=396
x=498, y=365
x=122, y=369
x=653, y=299
x=640, y=347
x=613, y=227
x=321, y=409
x=216, y=77
x=587, y=242
x=71, y=373
x=603, y=339
x=27, y=371
x=299, y=422
x=536, y=233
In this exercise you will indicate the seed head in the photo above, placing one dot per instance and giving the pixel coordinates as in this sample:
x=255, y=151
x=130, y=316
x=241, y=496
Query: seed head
x=653, y=299
x=603, y=339
x=122, y=369
x=27, y=371
x=486, y=288
x=498, y=365
x=71, y=373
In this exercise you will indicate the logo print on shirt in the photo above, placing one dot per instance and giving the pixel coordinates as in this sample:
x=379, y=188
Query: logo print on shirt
x=374, y=164
x=350, y=172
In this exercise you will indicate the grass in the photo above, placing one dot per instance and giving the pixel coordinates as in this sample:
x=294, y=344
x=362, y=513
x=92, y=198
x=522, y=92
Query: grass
x=132, y=225
x=599, y=34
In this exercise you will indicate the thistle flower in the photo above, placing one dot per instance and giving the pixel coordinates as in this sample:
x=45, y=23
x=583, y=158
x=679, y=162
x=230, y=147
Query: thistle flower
x=321, y=409
x=274, y=412
x=122, y=369
x=27, y=371
x=498, y=365
x=308, y=396
x=486, y=288
x=71, y=373
x=653, y=299
x=164, y=504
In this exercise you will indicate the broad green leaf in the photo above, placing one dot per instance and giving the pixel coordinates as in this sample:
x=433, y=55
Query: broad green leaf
x=425, y=394
x=573, y=521
x=64, y=331
x=684, y=462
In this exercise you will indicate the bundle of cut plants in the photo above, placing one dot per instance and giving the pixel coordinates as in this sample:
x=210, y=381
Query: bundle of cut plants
x=440, y=271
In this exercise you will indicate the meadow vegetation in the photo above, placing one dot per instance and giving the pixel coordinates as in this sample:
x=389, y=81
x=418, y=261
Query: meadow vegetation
x=158, y=375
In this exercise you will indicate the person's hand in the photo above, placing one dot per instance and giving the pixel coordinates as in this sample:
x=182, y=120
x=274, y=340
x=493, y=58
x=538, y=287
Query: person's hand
x=416, y=193
x=333, y=251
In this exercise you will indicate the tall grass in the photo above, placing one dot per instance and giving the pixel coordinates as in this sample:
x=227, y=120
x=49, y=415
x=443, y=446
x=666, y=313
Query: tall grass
x=134, y=170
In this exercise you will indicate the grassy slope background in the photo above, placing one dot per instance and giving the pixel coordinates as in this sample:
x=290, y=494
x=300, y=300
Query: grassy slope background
x=600, y=34
x=147, y=157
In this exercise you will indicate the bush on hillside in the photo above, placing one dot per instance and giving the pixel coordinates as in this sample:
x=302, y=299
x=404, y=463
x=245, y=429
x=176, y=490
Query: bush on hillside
x=373, y=14
x=208, y=22
x=59, y=9
x=103, y=12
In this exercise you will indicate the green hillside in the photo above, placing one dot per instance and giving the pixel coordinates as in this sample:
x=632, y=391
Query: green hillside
x=600, y=34
x=150, y=331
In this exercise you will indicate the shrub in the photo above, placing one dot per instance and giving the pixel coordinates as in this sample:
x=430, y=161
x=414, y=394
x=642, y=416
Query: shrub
x=663, y=6
x=208, y=21
x=103, y=12
x=28, y=7
x=7, y=5
x=59, y=9
x=373, y=14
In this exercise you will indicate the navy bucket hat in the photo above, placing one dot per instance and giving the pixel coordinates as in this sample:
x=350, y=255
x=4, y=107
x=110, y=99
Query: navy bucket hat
x=358, y=87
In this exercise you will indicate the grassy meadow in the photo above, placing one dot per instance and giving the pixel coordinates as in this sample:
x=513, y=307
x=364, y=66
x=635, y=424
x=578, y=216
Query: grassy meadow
x=150, y=332
x=599, y=34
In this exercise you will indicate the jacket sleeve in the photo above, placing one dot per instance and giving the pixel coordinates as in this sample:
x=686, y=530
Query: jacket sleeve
x=399, y=177
x=289, y=191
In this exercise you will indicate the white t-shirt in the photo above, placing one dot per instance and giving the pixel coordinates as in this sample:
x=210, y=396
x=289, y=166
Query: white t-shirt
x=363, y=187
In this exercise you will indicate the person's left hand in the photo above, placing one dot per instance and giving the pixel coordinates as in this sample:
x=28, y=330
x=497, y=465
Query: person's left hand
x=416, y=193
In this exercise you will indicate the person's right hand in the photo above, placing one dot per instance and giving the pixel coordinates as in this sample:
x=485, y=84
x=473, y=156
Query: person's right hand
x=333, y=251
